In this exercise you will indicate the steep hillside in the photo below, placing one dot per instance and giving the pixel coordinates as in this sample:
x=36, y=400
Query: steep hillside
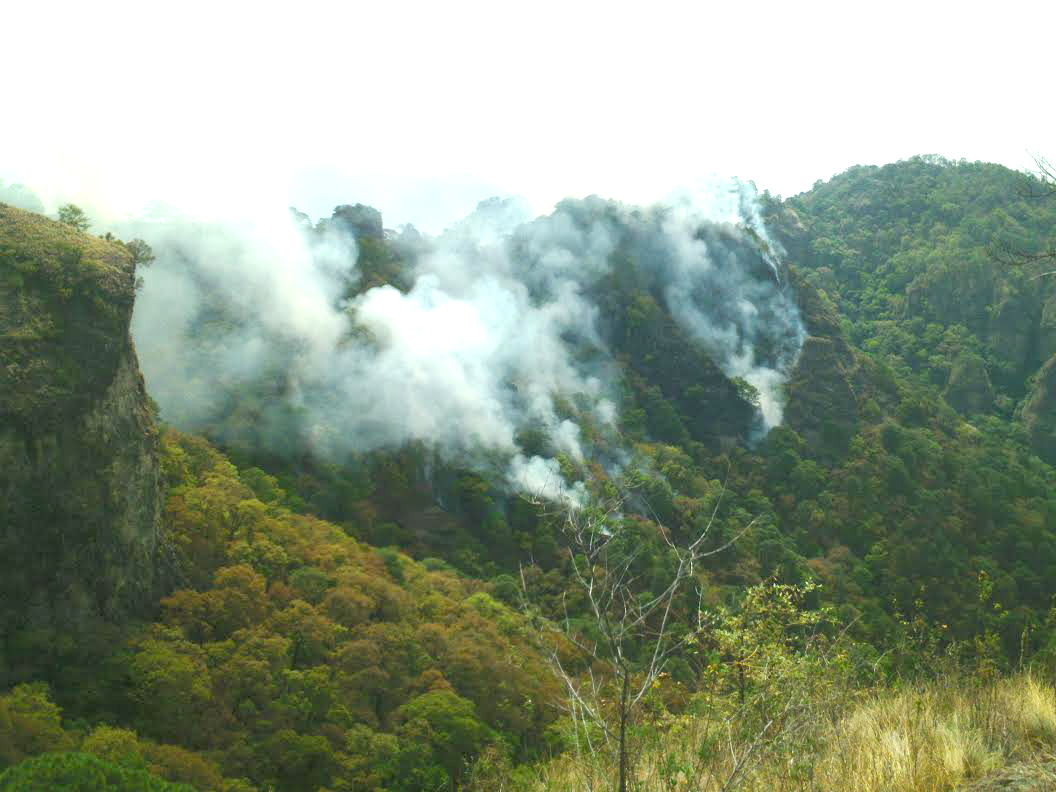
x=910, y=254
x=905, y=476
x=929, y=509
x=79, y=470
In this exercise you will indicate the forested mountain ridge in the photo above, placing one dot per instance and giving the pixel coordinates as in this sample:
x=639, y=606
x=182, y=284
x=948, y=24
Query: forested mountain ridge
x=906, y=253
x=357, y=621
x=875, y=484
x=910, y=254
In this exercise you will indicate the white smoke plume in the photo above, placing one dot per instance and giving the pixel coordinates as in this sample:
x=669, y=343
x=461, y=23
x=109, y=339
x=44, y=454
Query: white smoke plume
x=272, y=295
x=749, y=324
x=494, y=332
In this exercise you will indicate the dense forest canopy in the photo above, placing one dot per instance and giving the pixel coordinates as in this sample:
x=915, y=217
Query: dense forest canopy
x=845, y=387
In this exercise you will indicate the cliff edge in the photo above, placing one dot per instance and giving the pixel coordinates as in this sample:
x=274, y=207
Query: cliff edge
x=79, y=468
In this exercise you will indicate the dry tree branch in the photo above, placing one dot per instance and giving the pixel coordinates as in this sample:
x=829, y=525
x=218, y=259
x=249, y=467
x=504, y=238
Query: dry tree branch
x=1040, y=184
x=633, y=636
x=1043, y=185
x=1009, y=255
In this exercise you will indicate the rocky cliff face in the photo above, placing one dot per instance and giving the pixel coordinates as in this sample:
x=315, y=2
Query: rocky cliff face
x=1039, y=413
x=969, y=389
x=79, y=470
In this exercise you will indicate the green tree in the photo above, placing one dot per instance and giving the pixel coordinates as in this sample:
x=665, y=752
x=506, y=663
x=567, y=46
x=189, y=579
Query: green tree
x=172, y=685
x=142, y=253
x=450, y=726
x=80, y=772
x=73, y=215
x=111, y=744
x=30, y=723
x=298, y=762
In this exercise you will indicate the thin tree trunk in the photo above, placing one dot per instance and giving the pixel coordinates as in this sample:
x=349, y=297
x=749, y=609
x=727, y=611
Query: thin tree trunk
x=623, y=736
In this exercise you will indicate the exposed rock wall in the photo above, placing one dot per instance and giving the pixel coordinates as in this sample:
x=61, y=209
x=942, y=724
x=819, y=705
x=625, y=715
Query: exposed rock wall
x=1039, y=413
x=968, y=389
x=79, y=469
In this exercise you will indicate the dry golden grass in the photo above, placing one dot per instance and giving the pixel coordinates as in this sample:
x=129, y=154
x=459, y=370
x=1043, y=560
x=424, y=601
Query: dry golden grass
x=928, y=738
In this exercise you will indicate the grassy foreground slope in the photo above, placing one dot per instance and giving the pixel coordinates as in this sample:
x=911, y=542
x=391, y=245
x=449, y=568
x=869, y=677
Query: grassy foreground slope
x=951, y=734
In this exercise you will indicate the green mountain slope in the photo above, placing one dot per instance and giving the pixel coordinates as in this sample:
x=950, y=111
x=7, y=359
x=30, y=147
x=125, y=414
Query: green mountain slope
x=907, y=253
x=905, y=476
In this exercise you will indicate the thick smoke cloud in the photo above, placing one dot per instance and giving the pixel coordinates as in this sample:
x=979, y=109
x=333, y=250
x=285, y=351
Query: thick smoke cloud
x=731, y=304
x=226, y=305
x=493, y=333
x=470, y=354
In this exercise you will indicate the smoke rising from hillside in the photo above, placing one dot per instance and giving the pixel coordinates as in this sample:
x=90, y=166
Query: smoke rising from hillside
x=738, y=311
x=493, y=334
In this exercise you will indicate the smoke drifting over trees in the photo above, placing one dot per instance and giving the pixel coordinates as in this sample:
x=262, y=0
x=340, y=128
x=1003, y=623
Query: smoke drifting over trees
x=354, y=339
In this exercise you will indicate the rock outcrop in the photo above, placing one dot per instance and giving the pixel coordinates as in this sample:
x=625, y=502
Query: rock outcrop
x=1047, y=329
x=1039, y=413
x=79, y=467
x=969, y=389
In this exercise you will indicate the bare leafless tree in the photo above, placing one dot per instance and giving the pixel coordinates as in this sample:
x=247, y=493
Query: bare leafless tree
x=632, y=633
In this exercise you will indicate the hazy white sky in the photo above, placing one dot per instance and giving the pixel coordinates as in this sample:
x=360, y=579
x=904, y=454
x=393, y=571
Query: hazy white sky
x=422, y=108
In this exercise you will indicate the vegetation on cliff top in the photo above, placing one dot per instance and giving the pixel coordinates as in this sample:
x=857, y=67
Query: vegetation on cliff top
x=37, y=246
x=67, y=301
